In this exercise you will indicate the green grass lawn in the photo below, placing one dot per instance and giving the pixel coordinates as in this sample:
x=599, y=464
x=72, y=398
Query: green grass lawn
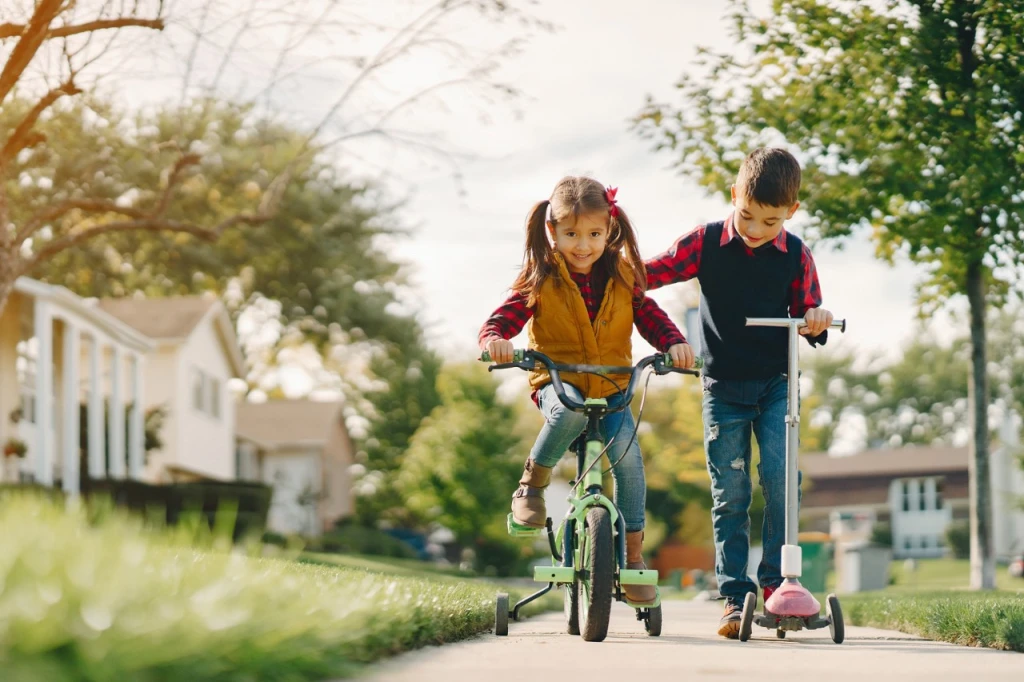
x=934, y=601
x=91, y=602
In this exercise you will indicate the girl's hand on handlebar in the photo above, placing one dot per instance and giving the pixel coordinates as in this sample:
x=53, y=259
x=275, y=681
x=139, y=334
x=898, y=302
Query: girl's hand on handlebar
x=818, y=320
x=682, y=355
x=500, y=350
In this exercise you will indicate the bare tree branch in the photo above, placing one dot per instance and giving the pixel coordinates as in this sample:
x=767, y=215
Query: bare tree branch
x=151, y=224
x=14, y=30
x=57, y=211
x=31, y=38
x=22, y=136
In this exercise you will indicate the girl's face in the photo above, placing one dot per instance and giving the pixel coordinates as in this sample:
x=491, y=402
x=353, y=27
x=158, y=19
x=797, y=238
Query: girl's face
x=581, y=241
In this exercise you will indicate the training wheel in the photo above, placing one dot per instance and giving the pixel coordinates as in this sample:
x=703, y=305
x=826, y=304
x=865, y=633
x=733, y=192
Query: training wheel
x=652, y=623
x=747, y=620
x=835, y=619
x=501, y=615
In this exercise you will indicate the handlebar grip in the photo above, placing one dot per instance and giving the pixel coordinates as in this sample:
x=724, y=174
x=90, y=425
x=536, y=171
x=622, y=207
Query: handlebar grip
x=517, y=355
x=698, y=362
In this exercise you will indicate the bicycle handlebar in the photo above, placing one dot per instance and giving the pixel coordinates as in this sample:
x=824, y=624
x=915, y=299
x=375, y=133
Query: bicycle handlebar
x=529, y=359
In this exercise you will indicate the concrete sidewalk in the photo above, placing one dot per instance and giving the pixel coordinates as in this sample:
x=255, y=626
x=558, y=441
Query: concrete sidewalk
x=537, y=650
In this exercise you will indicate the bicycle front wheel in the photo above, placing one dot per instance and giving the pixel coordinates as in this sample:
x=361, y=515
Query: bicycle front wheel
x=597, y=583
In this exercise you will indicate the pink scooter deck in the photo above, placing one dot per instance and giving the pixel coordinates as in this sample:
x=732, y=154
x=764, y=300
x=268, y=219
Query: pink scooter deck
x=792, y=599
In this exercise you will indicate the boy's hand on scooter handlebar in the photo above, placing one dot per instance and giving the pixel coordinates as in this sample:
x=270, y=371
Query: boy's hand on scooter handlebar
x=682, y=355
x=818, y=320
x=501, y=351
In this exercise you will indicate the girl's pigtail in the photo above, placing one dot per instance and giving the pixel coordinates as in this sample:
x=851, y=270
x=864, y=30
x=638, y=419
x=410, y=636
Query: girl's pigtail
x=536, y=256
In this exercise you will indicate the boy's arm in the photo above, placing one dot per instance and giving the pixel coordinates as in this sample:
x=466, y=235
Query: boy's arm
x=507, y=321
x=805, y=293
x=680, y=263
x=653, y=323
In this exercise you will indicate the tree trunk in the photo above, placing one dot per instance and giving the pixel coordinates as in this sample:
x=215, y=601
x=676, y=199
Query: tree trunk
x=983, y=567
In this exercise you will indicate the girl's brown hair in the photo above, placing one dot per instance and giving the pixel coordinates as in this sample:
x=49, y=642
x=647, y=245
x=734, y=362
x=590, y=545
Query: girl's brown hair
x=575, y=196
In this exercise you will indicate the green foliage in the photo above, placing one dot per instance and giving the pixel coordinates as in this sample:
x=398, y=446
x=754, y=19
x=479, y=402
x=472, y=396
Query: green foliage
x=463, y=462
x=958, y=539
x=318, y=256
x=145, y=605
x=354, y=539
x=907, y=118
x=881, y=534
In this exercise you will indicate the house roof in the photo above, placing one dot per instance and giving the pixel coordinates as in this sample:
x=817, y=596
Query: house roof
x=890, y=462
x=64, y=298
x=277, y=424
x=172, y=320
x=161, y=319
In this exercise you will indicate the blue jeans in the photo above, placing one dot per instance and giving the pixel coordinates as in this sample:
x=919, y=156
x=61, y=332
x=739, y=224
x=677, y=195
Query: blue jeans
x=562, y=425
x=733, y=409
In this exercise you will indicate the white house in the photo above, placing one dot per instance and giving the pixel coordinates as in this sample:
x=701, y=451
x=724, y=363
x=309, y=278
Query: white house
x=302, y=449
x=918, y=490
x=57, y=352
x=194, y=356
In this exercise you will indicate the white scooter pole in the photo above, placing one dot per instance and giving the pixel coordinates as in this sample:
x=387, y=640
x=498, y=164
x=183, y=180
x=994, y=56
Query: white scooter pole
x=792, y=559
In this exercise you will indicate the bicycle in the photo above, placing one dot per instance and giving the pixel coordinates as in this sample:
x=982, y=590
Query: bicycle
x=591, y=563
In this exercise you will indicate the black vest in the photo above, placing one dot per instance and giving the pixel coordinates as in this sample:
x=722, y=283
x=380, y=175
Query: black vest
x=735, y=286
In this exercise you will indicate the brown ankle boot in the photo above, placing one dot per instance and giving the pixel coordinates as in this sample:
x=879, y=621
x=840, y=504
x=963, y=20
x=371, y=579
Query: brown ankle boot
x=528, y=501
x=637, y=594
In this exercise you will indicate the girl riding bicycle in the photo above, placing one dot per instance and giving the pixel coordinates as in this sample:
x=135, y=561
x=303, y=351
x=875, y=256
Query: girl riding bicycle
x=581, y=290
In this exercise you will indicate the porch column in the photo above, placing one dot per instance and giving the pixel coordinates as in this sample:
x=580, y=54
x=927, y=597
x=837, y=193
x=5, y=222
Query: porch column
x=70, y=411
x=43, y=454
x=117, y=464
x=136, y=436
x=97, y=432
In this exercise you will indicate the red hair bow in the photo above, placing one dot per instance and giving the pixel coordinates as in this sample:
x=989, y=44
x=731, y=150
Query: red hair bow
x=609, y=194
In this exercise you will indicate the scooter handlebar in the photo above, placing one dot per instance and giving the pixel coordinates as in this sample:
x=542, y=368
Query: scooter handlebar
x=787, y=321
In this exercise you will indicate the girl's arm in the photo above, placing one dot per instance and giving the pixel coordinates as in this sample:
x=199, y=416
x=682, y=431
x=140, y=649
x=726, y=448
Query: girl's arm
x=507, y=321
x=653, y=323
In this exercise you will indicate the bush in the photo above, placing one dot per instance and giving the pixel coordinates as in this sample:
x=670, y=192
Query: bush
x=357, y=539
x=958, y=538
x=881, y=534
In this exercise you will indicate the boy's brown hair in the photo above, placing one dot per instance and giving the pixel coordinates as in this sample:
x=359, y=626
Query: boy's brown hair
x=770, y=176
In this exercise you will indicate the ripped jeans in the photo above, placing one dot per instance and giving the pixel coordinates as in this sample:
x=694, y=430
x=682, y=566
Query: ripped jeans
x=733, y=409
x=562, y=425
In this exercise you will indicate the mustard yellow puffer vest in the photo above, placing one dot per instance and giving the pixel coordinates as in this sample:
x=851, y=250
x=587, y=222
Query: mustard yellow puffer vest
x=561, y=329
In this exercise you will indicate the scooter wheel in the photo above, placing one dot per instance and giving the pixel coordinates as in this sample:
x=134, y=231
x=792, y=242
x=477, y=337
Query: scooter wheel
x=653, y=621
x=747, y=620
x=835, y=619
x=501, y=615
x=781, y=634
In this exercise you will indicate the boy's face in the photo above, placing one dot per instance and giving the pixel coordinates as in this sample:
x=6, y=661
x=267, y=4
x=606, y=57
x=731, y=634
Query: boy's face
x=581, y=241
x=756, y=223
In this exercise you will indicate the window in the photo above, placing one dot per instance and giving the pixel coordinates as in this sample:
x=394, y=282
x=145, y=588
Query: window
x=214, y=397
x=198, y=390
x=938, y=493
x=922, y=497
x=906, y=498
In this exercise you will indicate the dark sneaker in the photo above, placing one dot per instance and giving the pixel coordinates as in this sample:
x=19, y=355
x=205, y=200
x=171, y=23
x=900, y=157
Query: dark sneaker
x=729, y=626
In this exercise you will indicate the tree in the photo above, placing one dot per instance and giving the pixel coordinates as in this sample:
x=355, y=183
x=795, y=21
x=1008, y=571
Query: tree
x=464, y=460
x=906, y=116
x=65, y=43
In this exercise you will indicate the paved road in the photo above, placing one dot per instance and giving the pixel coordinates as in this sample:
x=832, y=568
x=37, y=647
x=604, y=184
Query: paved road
x=536, y=650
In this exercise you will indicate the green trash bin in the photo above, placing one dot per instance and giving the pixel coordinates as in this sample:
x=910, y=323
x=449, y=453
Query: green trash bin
x=816, y=557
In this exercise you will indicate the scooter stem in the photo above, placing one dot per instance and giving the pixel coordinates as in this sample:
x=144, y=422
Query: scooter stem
x=791, y=554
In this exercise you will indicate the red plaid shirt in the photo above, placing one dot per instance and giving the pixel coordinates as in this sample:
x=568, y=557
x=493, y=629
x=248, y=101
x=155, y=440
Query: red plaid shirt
x=651, y=321
x=682, y=262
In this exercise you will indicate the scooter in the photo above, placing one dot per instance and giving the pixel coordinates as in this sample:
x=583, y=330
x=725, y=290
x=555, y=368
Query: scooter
x=792, y=607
